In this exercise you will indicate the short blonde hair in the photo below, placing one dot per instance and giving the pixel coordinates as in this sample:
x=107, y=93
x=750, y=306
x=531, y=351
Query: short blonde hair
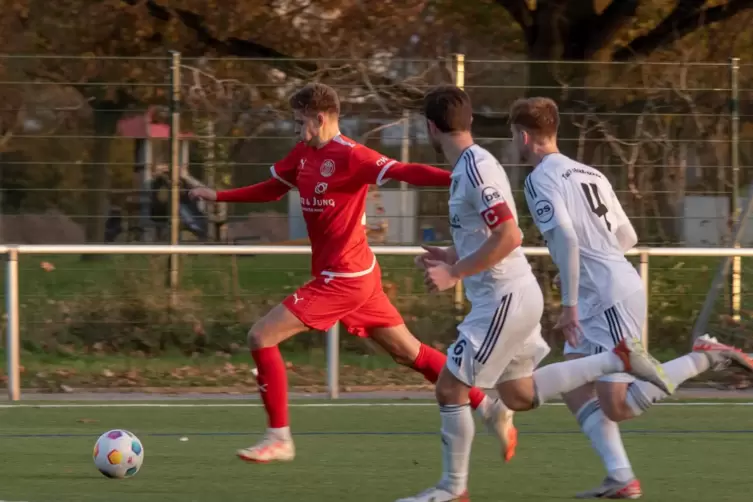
x=539, y=116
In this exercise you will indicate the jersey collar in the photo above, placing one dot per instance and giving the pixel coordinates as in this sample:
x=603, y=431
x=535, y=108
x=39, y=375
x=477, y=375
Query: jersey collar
x=457, y=162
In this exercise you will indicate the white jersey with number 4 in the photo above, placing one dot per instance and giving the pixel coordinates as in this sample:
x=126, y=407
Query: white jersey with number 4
x=480, y=200
x=563, y=192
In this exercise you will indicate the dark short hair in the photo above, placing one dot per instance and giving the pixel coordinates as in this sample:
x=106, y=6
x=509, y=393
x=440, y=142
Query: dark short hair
x=316, y=98
x=449, y=107
x=539, y=116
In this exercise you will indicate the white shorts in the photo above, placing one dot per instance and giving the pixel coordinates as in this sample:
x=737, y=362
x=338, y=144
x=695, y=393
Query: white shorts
x=604, y=331
x=500, y=341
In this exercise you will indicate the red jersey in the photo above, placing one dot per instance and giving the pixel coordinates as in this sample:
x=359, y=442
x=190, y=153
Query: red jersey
x=333, y=182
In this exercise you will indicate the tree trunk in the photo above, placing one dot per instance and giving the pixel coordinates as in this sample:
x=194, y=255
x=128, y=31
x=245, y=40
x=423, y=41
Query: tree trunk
x=97, y=176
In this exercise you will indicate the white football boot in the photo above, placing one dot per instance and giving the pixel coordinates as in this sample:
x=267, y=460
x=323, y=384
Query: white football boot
x=499, y=422
x=270, y=449
x=437, y=494
x=721, y=355
x=642, y=365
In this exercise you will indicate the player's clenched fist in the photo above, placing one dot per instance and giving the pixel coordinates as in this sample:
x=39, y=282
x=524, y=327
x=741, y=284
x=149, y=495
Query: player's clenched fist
x=569, y=324
x=438, y=276
x=436, y=254
x=202, y=193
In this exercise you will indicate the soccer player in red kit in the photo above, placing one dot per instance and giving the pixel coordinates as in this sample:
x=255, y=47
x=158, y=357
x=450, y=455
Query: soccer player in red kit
x=333, y=174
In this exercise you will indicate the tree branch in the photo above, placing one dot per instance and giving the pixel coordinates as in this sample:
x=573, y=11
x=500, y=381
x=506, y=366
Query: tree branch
x=605, y=25
x=522, y=15
x=687, y=16
x=232, y=46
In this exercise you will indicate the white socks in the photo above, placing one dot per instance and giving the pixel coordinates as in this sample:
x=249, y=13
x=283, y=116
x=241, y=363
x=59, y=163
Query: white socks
x=605, y=439
x=641, y=395
x=558, y=378
x=458, y=429
x=281, y=433
x=605, y=434
x=484, y=407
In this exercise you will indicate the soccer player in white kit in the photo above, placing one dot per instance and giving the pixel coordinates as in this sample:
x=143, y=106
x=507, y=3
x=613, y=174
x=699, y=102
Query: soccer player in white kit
x=499, y=343
x=603, y=299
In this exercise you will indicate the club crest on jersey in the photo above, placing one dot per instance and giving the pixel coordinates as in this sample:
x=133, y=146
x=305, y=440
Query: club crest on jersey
x=320, y=188
x=328, y=168
x=490, y=196
x=544, y=211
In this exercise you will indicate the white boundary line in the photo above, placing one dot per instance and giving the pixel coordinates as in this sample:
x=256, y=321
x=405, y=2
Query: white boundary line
x=307, y=405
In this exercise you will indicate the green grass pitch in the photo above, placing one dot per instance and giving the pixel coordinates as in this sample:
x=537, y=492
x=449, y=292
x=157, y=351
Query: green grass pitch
x=361, y=451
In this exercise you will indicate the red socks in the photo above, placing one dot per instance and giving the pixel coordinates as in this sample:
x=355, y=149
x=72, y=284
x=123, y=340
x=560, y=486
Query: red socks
x=430, y=362
x=273, y=385
x=273, y=380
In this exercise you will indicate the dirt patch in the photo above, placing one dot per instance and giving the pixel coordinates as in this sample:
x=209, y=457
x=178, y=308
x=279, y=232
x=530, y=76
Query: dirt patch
x=52, y=227
x=266, y=227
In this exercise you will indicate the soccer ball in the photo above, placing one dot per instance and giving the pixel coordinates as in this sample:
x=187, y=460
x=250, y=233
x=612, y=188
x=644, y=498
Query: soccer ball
x=118, y=454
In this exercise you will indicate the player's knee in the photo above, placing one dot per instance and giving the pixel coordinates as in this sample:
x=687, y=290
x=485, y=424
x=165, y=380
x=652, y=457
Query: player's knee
x=518, y=402
x=257, y=338
x=613, y=399
x=449, y=390
x=254, y=340
x=517, y=395
x=614, y=410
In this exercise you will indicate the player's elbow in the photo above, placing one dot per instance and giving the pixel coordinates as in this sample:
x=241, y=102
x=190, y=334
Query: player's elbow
x=509, y=235
x=516, y=237
x=627, y=237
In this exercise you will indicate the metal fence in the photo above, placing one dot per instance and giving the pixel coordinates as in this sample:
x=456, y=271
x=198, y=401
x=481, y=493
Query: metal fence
x=103, y=149
x=675, y=138
x=13, y=279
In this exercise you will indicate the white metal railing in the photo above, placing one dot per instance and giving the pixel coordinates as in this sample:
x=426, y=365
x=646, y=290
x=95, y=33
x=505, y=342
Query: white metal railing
x=12, y=297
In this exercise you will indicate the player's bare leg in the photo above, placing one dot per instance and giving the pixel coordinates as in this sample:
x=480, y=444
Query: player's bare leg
x=618, y=401
x=409, y=351
x=623, y=401
x=458, y=430
x=548, y=382
x=263, y=339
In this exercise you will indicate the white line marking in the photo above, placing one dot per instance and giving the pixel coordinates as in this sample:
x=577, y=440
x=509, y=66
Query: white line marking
x=305, y=405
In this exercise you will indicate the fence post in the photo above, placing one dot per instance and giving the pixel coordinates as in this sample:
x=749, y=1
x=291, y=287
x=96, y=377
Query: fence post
x=644, y=271
x=12, y=346
x=175, y=167
x=333, y=361
x=735, y=200
x=405, y=158
x=460, y=82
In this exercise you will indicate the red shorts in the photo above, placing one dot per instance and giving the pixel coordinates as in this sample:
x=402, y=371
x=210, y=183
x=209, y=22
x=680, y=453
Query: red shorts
x=358, y=302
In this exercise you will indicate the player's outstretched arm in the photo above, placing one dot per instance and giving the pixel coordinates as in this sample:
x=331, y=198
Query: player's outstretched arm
x=373, y=168
x=421, y=175
x=266, y=191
